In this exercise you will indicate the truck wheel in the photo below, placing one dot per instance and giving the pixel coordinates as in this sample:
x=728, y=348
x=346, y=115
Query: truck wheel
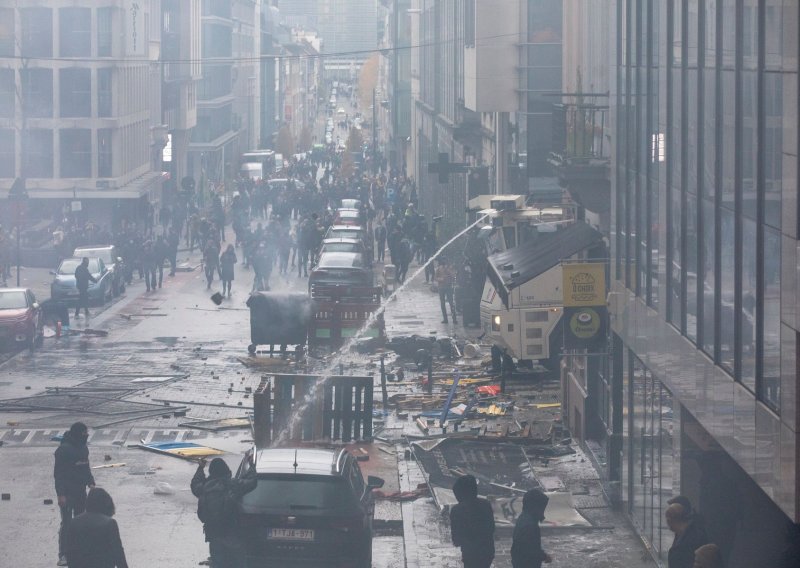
x=251, y=349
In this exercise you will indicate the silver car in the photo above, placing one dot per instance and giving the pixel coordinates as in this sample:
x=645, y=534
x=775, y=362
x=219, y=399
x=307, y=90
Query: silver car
x=65, y=289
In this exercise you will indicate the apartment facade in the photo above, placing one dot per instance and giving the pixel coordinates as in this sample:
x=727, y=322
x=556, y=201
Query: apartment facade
x=227, y=122
x=181, y=71
x=78, y=105
x=704, y=257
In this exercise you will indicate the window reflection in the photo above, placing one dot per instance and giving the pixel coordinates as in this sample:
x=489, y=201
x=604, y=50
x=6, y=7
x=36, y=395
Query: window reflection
x=748, y=314
x=708, y=272
x=652, y=457
x=676, y=279
x=726, y=277
x=771, y=367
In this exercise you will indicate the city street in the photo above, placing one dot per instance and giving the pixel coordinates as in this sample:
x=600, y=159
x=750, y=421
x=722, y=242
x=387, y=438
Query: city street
x=175, y=344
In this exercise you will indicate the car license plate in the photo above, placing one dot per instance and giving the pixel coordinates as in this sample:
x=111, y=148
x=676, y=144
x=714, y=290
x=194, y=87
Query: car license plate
x=291, y=534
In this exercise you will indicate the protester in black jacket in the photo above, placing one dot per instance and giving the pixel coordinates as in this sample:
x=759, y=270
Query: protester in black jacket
x=689, y=536
x=526, y=548
x=82, y=279
x=218, y=499
x=472, y=524
x=72, y=476
x=92, y=538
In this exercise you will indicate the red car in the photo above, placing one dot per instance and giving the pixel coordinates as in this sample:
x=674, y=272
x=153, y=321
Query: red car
x=20, y=319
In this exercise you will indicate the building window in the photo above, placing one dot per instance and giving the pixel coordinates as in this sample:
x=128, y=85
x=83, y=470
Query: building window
x=37, y=32
x=76, y=93
x=104, y=37
x=770, y=373
x=37, y=92
x=7, y=38
x=7, y=154
x=37, y=159
x=748, y=323
x=75, y=25
x=727, y=290
x=104, y=94
x=104, y=153
x=76, y=152
x=8, y=95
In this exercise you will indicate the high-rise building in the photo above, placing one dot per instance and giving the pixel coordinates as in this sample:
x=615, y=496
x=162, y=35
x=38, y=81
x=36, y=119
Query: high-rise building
x=181, y=71
x=226, y=98
x=300, y=13
x=704, y=268
x=348, y=29
x=80, y=107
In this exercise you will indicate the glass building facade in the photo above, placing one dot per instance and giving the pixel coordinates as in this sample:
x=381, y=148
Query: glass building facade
x=704, y=256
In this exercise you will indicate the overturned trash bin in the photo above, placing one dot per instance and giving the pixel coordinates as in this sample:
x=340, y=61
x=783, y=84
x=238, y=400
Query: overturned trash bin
x=279, y=319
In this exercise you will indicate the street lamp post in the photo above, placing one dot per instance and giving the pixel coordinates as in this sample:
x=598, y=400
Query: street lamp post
x=17, y=195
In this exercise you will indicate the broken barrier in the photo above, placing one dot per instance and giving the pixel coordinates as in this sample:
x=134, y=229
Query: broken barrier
x=338, y=409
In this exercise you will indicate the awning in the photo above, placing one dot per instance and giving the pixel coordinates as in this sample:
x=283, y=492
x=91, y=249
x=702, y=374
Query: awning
x=514, y=267
x=134, y=189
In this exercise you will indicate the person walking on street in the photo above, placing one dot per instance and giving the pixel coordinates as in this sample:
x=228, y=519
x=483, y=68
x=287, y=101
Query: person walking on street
x=472, y=524
x=92, y=539
x=149, y=265
x=82, y=279
x=403, y=256
x=526, y=547
x=445, y=279
x=689, y=536
x=428, y=249
x=226, y=262
x=72, y=476
x=211, y=260
x=218, y=500
x=161, y=253
x=380, y=240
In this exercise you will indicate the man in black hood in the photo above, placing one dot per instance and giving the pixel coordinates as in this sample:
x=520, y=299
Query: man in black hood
x=472, y=524
x=219, y=497
x=72, y=476
x=526, y=548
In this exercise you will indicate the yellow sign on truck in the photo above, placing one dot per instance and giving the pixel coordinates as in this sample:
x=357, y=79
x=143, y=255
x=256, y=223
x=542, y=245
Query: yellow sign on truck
x=584, y=284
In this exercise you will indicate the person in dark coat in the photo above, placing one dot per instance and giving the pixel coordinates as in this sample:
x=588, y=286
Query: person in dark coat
x=227, y=550
x=526, y=547
x=689, y=536
x=226, y=262
x=92, y=538
x=82, y=279
x=211, y=260
x=72, y=476
x=472, y=524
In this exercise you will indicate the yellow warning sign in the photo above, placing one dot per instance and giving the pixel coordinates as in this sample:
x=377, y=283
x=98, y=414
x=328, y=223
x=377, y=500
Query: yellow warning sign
x=584, y=284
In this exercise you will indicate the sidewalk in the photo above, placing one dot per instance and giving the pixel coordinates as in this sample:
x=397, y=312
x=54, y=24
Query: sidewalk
x=608, y=542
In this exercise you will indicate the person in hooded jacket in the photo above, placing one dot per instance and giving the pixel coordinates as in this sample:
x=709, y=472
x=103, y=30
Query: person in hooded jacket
x=526, y=546
x=472, y=524
x=72, y=476
x=92, y=539
x=227, y=550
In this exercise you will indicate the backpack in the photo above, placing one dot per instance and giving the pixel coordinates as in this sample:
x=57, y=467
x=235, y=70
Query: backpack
x=218, y=505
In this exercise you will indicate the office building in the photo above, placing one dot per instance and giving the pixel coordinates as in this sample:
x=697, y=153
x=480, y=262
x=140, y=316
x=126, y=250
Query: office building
x=227, y=98
x=704, y=268
x=80, y=107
